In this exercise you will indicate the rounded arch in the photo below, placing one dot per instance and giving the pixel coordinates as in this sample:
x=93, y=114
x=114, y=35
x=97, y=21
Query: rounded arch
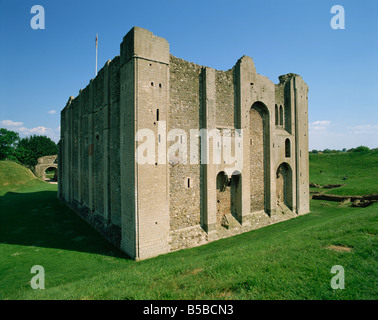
x=259, y=157
x=222, y=180
x=284, y=185
x=228, y=191
x=51, y=174
x=236, y=173
x=287, y=148
x=261, y=108
x=45, y=163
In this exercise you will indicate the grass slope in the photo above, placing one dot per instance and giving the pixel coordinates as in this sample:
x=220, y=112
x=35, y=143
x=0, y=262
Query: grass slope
x=288, y=260
x=15, y=177
x=360, y=167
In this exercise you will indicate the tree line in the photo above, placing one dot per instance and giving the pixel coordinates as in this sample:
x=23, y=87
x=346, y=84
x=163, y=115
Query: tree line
x=26, y=150
x=357, y=149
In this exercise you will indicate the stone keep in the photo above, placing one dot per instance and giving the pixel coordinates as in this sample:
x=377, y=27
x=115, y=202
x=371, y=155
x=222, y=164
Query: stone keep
x=154, y=208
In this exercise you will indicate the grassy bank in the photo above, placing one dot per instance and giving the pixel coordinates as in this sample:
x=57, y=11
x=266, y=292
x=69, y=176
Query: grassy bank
x=359, y=168
x=288, y=260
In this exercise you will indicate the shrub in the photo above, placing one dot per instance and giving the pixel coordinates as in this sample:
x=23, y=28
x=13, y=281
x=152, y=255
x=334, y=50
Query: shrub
x=359, y=149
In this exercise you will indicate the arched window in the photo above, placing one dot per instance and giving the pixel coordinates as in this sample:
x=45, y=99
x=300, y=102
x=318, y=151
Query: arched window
x=281, y=116
x=287, y=148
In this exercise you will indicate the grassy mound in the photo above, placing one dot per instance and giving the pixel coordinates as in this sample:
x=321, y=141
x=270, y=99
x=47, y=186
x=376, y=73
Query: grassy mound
x=357, y=171
x=15, y=177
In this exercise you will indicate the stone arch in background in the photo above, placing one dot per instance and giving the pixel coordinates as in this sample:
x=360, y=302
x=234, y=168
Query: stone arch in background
x=45, y=163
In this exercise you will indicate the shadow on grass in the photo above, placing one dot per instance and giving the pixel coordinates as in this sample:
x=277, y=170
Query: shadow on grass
x=40, y=219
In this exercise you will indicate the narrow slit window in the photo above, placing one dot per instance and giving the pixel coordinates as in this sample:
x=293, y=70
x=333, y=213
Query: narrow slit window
x=287, y=148
x=276, y=115
x=188, y=183
x=157, y=114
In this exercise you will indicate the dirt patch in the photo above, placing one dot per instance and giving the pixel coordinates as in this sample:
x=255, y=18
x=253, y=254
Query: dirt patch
x=327, y=186
x=340, y=248
x=195, y=271
x=358, y=201
x=332, y=186
x=315, y=185
x=329, y=197
x=362, y=203
x=344, y=201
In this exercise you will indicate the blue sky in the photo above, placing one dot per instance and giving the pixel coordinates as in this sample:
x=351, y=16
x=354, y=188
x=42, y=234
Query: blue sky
x=40, y=69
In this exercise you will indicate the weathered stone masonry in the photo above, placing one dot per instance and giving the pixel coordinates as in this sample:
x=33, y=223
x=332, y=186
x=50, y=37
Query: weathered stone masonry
x=150, y=209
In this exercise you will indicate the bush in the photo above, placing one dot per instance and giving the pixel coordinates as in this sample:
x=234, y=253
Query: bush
x=8, y=143
x=359, y=149
x=30, y=149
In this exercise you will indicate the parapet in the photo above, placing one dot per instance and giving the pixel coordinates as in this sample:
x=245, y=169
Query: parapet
x=142, y=43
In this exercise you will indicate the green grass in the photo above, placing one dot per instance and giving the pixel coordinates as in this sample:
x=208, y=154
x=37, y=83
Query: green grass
x=360, y=167
x=14, y=177
x=288, y=260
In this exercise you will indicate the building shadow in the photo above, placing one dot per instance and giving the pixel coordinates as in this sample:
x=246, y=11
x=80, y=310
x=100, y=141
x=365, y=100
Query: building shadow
x=40, y=219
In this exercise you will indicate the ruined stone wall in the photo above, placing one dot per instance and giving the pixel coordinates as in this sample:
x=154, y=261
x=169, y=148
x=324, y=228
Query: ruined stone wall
x=85, y=149
x=90, y=152
x=256, y=160
x=184, y=113
x=114, y=147
x=45, y=163
x=224, y=97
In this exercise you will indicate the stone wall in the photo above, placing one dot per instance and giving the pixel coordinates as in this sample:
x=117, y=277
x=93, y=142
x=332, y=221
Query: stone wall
x=224, y=97
x=45, y=163
x=257, y=167
x=184, y=114
x=89, y=147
